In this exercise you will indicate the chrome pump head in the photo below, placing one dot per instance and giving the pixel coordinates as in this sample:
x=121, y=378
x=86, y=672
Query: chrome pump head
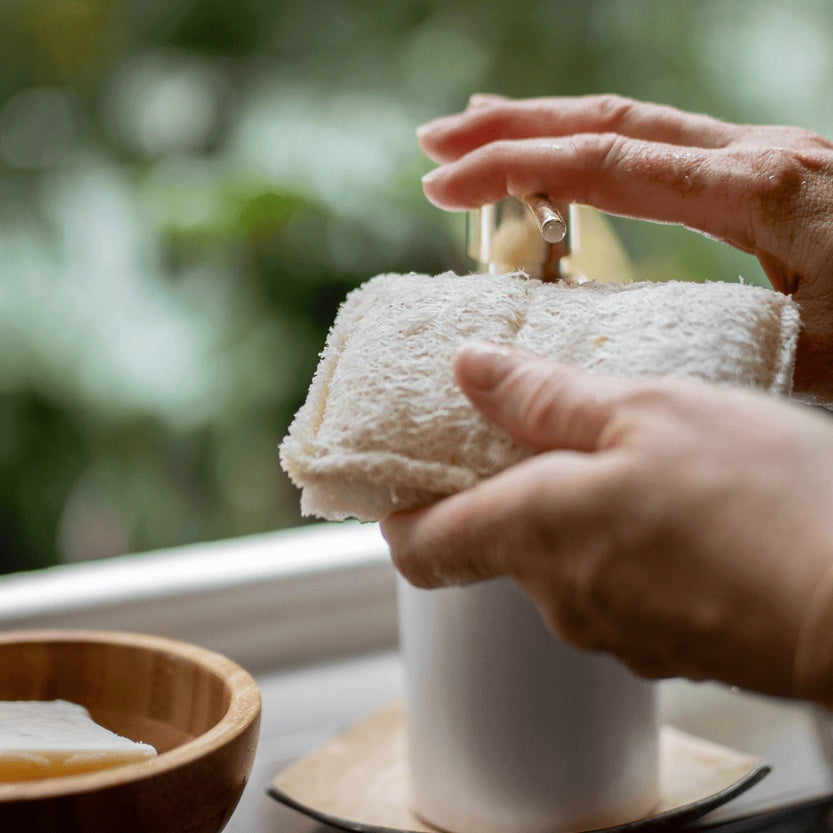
x=531, y=234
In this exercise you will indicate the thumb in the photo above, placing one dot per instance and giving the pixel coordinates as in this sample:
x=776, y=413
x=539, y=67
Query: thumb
x=541, y=403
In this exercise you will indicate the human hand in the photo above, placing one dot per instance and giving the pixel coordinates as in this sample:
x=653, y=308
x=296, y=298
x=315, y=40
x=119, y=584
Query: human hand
x=764, y=190
x=679, y=526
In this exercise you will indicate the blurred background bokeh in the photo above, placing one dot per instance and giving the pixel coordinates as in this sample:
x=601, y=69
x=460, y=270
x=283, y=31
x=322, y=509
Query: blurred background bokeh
x=188, y=188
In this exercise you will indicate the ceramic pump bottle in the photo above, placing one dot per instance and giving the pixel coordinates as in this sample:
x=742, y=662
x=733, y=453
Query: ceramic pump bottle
x=510, y=730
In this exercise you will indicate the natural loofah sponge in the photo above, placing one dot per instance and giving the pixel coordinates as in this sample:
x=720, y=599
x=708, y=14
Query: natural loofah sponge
x=385, y=428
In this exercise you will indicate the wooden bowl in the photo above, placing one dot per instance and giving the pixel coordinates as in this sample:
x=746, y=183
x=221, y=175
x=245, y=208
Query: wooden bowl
x=200, y=710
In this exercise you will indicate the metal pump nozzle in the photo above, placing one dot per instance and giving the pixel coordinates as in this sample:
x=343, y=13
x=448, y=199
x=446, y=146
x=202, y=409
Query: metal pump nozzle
x=532, y=235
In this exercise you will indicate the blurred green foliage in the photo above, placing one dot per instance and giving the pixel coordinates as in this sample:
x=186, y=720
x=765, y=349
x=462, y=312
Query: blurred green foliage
x=189, y=188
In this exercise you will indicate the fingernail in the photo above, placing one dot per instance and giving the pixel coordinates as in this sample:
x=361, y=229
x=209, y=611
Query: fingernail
x=429, y=126
x=479, y=99
x=483, y=366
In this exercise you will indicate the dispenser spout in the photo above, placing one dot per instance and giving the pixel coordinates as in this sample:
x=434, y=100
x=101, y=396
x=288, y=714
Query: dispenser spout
x=530, y=235
x=549, y=217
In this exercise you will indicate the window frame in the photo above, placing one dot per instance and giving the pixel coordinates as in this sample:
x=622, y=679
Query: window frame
x=268, y=601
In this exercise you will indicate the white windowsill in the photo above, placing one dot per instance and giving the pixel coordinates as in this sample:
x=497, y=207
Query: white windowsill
x=268, y=601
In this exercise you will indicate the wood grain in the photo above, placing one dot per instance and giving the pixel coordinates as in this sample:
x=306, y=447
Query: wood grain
x=200, y=710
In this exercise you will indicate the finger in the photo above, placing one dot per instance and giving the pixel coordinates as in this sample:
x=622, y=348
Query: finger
x=629, y=177
x=477, y=534
x=541, y=403
x=493, y=118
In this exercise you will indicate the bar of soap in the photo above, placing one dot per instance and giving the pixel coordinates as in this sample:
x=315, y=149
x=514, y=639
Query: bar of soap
x=47, y=739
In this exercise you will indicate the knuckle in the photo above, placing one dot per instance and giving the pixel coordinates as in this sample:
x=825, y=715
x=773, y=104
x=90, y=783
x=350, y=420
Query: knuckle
x=494, y=161
x=540, y=405
x=606, y=149
x=407, y=566
x=562, y=610
x=572, y=624
x=820, y=143
x=781, y=171
x=406, y=556
x=551, y=402
x=790, y=136
x=649, y=394
x=490, y=119
x=587, y=603
x=780, y=178
x=661, y=395
x=630, y=406
x=412, y=573
x=603, y=156
x=613, y=111
x=496, y=151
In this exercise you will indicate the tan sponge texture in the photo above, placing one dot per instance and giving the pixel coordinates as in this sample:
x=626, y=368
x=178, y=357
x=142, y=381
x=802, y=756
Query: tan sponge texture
x=385, y=428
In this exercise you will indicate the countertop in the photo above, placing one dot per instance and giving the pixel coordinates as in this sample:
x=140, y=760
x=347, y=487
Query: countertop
x=304, y=707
